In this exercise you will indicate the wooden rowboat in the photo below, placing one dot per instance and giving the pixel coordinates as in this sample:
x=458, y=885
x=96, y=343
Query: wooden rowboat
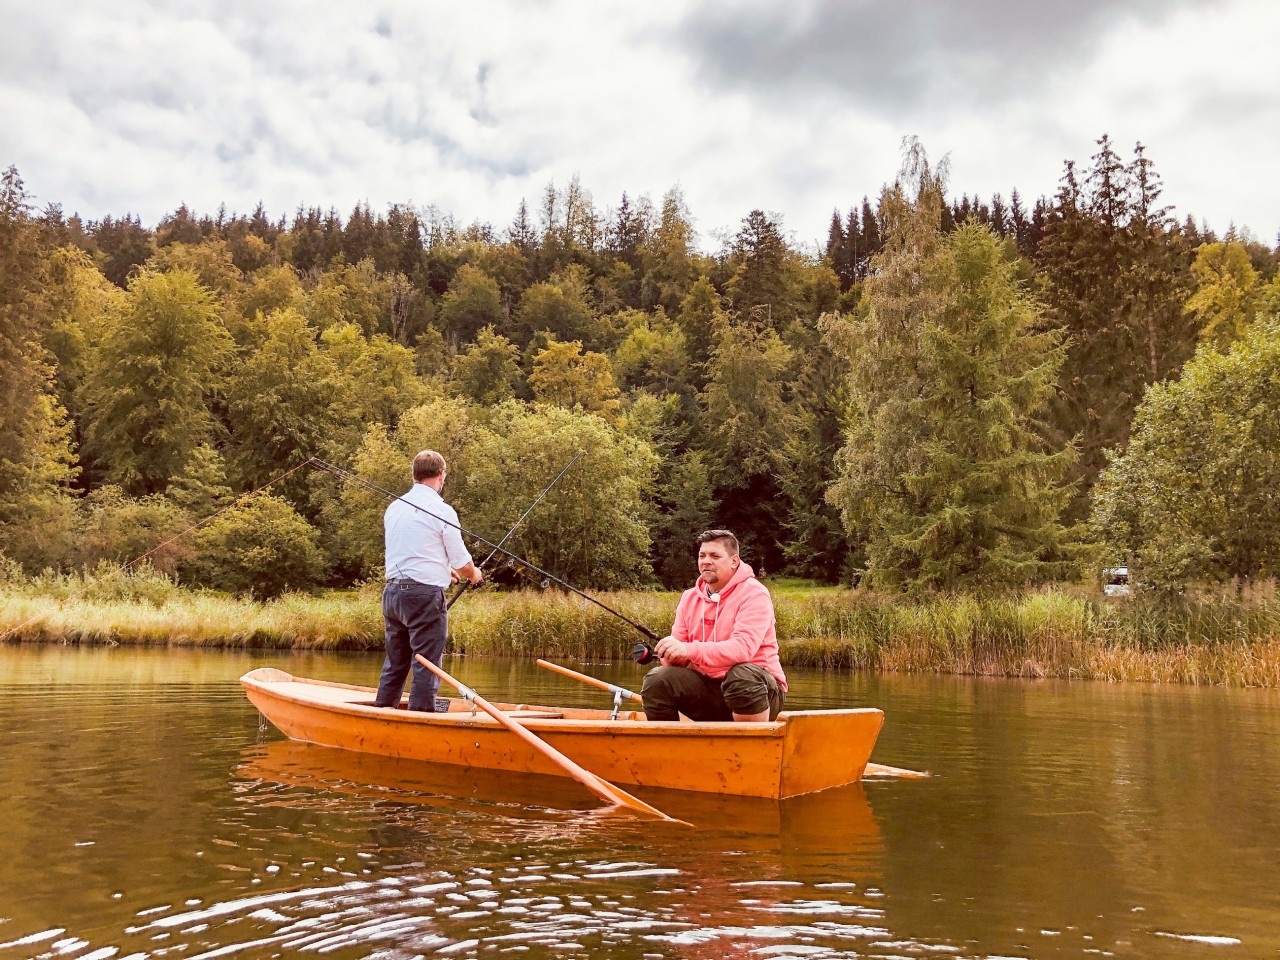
x=801, y=752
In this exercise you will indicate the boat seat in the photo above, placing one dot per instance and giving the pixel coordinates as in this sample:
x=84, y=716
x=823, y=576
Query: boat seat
x=534, y=714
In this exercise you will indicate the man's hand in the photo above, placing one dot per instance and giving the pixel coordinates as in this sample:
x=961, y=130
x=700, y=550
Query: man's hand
x=471, y=572
x=453, y=577
x=673, y=652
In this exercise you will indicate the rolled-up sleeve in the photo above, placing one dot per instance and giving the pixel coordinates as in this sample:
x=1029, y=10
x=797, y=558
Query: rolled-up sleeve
x=457, y=552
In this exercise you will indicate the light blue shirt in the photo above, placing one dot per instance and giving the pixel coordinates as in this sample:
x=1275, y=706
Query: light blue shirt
x=423, y=545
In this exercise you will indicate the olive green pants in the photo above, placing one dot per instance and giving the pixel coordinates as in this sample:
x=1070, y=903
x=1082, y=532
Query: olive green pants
x=745, y=689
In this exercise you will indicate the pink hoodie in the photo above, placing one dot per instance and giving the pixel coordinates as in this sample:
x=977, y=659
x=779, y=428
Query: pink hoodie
x=737, y=629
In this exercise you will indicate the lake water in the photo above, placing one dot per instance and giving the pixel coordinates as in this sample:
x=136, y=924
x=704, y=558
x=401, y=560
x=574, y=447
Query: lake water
x=145, y=813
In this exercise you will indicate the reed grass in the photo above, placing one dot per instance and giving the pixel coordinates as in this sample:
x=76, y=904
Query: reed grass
x=1211, y=638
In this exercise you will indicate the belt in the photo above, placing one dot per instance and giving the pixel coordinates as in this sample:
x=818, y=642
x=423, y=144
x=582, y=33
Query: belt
x=403, y=581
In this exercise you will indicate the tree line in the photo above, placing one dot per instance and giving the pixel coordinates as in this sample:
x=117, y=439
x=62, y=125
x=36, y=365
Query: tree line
x=950, y=393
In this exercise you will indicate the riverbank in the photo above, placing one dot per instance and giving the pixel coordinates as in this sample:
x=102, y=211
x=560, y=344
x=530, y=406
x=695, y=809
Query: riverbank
x=1050, y=632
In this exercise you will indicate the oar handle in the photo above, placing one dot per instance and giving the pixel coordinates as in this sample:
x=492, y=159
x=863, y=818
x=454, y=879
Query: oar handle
x=602, y=684
x=598, y=785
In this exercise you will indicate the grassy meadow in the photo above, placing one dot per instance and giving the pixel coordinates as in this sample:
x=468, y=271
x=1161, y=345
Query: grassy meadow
x=1211, y=638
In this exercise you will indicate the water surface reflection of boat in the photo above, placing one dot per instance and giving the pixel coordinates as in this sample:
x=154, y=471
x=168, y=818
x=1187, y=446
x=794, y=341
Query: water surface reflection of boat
x=834, y=827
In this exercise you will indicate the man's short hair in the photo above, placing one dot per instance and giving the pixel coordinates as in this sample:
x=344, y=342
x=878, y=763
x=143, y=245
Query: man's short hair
x=427, y=466
x=722, y=535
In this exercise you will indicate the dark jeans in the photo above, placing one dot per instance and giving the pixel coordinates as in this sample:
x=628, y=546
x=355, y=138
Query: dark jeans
x=416, y=623
x=745, y=689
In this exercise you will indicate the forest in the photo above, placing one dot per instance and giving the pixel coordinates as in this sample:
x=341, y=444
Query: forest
x=952, y=393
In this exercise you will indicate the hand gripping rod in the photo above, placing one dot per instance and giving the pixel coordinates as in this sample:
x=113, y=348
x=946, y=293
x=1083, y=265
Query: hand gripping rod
x=497, y=548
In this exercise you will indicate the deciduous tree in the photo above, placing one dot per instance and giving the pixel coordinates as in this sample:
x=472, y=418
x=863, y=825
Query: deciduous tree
x=1193, y=496
x=564, y=376
x=149, y=383
x=1226, y=292
x=261, y=547
x=472, y=303
x=489, y=372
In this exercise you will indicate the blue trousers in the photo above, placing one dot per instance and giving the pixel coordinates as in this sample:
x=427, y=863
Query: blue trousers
x=416, y=622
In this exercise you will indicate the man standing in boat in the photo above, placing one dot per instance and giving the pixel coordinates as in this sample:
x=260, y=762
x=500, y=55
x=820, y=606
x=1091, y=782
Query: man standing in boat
x=424, y=554
x=721, y=660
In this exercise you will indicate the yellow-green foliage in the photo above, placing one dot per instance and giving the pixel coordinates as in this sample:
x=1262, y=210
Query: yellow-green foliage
x=1218, y=639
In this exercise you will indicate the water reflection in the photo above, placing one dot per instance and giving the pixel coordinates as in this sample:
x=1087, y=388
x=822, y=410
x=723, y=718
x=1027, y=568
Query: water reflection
x=834, y=829
x=145, y=815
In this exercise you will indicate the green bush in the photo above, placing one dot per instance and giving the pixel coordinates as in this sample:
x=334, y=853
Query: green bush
x=142, y=584
x=118, y=529
x=260, y=547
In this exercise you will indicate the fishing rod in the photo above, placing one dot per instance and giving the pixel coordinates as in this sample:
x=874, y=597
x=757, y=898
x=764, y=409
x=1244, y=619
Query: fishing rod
x=483, y=563
x=359, y=481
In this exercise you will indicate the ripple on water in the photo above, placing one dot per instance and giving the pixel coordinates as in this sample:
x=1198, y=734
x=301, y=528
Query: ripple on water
x=189, y=839
x=601, y=907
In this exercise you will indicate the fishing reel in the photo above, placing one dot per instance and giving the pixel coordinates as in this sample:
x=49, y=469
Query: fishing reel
x=644, y=654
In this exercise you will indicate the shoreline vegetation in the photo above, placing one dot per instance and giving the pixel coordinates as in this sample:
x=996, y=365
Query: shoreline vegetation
x=1224, y=639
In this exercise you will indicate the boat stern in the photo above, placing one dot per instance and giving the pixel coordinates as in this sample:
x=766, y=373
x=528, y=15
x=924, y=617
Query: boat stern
x=826, y=748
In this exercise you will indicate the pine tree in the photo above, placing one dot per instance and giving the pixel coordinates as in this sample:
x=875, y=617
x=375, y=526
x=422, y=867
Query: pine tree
x=747, y=418
x=701, y=318
x=628, y=232
x=764, y=280
x=122, y=246
x=522, y=232
x=1019, y=225
x=815, y=543
x=942, y=471
x=1116, y=272
x=667, y=258
x=999, y=220
x=870, y=243
x=178, y=227
x=307, y=240
x=851, y=264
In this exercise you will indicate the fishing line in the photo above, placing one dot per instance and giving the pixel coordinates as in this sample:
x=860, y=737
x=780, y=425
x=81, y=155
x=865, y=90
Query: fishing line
x=359, y=481
x=483, y=563
x=156, y=549
x=317, y=463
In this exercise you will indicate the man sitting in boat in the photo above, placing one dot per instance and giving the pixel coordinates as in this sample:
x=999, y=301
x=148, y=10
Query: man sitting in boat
x=424, y=554
x=720, y=661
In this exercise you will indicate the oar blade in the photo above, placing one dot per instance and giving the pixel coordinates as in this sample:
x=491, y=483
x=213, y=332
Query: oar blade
x=883, y=770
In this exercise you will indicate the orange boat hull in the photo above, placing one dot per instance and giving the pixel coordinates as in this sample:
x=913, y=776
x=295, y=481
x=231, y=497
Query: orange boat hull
x=801, y=752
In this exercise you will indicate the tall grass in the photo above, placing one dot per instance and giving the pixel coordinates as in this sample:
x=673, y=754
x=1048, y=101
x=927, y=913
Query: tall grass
x=1053, y=632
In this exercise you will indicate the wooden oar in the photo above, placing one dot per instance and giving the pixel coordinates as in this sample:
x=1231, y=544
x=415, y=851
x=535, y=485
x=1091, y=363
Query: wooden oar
x=603, y=685
x=872, y=769
x=883, y=770
x=598, y=785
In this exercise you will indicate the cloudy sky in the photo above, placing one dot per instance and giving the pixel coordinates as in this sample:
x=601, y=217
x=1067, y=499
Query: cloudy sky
x=795, y=108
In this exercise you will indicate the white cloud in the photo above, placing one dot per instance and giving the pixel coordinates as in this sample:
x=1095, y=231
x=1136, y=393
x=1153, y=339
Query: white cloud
x=140, y=107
